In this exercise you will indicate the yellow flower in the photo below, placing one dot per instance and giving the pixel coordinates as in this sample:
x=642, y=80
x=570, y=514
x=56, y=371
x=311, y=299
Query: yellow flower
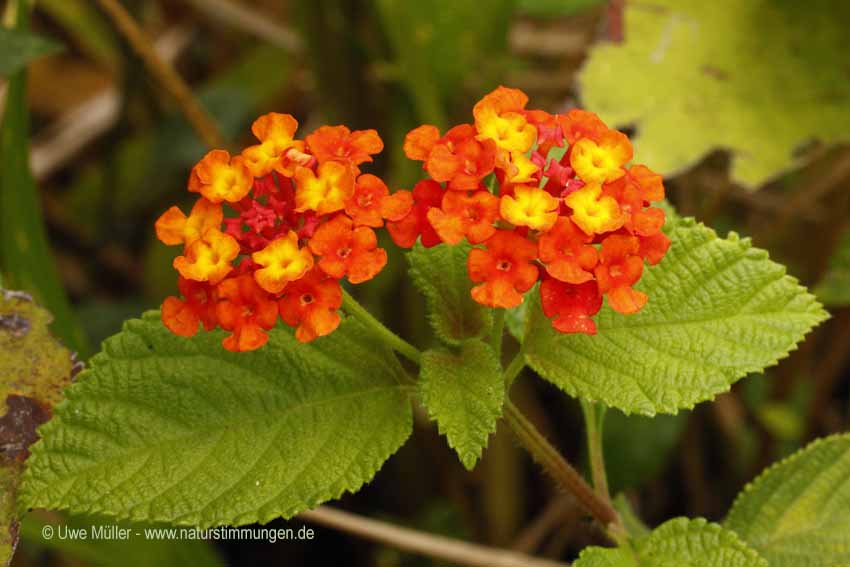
x=283, y=262
x=530, y=206
x=592, y=214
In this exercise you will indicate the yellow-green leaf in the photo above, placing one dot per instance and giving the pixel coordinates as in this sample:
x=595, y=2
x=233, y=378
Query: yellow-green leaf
x=761, y=79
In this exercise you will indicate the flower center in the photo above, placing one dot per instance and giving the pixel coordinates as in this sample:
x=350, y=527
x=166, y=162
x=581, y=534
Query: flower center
x=365, y=201
x=344, y=252
x=503, y=265
x=307, y=299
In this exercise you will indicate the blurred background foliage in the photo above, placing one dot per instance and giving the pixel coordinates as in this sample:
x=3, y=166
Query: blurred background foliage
x=743, y=104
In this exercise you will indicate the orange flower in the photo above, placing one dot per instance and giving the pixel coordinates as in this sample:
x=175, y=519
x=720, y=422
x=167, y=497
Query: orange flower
x=530, y=206
x=650, y=183
x=567, y=252
x=631, y=192
x=620, y=267
x=653, y=248
x=500, y=117
x=603, y=161
x=346, y=250
x=457, y=158
x=182, y=316
x=339, y=144
x=462, y=215
x=571, y=306
x=173, y=227
x=577, y=124
x=208, y=258
x=419, y=142
x=372, y=202
x=592, y=212
x=282, y=261
x=218, y=177
x=325, y=193
x=245, y=310
x=310, y=304
x=427, y=194
x=505, y=268
x=276, y=133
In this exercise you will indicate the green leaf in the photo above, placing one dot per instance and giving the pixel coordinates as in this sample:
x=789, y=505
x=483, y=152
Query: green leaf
x=138, y=550
x=25, y=256
x=464, y=393
x=834, y=288
x=680, y=542
x=606, y=557
x=718, y=309
x=17, y=48
x=516, y=318
x=797, y=512
x=176, y=430
x=440, y=275
x=700, y=77
x=34, y=367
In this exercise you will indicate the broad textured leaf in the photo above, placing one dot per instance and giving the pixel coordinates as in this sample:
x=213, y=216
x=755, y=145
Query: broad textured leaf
x=834, y=288
x=141, y=549
x=34, y=367
x=718, y=309
x=680, y=542
x=762, y=80
x=440, y=275
x=25, y=255
x=606, y=557
x=181, y=431
x=17, y=48
x=798, y=511
x=464, y=393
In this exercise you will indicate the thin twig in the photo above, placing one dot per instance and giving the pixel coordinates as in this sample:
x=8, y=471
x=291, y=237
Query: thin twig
x=438, y=547
x=165, y=74
x=243, y=18
x=552, y=515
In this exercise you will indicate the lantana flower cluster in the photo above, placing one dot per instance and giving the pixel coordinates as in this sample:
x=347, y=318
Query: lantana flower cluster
x=579, y=221
x=274, y=231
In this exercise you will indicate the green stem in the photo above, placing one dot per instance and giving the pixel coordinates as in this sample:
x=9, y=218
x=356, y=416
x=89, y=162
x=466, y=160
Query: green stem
x=398, y=344
x=496, y=334
x=564, y=474
x=514, y=368
x=594, y=416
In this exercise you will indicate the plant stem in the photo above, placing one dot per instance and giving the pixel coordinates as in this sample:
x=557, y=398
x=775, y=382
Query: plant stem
x=438, y=547
x=514, y=368
x=594, y=416
x=564, y=474
x=395, y=342
x=497, y=331
x=168, y=78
